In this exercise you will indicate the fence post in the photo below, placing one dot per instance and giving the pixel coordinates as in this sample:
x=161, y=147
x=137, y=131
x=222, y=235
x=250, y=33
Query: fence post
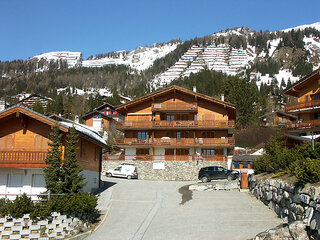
x=49, y=192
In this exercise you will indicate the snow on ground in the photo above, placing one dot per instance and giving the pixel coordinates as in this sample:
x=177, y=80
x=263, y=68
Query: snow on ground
x=85, y=130
x=284, y=74
x=140, y=59
x=301, y=27
x=102, y=91
x=72, y=58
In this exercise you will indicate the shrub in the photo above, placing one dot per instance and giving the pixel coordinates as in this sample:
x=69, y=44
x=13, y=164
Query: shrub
x=4, y=207
x=307, y=170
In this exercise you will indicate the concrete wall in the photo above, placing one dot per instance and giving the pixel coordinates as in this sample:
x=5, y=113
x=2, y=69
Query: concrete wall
x=290, y=201
x=55, y=226
x=165, y=170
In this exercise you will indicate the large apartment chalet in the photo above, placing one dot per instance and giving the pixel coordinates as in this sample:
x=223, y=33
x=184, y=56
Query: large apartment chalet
x=24, y=136
x=175, y=123
x=307, y=108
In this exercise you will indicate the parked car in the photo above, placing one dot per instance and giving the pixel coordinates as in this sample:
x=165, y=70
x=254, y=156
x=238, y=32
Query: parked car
x=206, y=174
x=125, y=170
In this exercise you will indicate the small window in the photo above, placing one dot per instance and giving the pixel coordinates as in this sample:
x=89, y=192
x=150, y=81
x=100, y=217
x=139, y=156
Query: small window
x=82, y=148
x=178, y=135
x=236, y=165
x=15, y=180
x=38, y=180
x=245, y=165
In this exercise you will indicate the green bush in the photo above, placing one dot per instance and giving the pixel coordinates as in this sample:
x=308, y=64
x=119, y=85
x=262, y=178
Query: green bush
x=76, y=204
x=307, y=170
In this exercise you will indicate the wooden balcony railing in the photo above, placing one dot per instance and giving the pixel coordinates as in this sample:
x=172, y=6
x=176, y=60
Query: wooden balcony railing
x=303, y=125
x=174, y=106
x=217, y=142
x=175, y=124
x=302, y=105
x=164, y=158
x=22, y=158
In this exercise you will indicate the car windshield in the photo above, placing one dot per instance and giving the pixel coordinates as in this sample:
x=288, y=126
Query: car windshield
x=117, y=169
x=220, y=169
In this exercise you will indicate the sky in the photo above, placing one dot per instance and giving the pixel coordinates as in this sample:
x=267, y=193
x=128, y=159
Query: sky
x=32, y=27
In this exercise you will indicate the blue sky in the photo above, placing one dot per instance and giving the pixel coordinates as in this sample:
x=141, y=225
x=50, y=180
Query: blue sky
x=32, y=27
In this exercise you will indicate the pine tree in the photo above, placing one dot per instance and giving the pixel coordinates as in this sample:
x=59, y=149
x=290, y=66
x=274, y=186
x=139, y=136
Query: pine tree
x=53, y=172
x=73, y=181
x=37, y=106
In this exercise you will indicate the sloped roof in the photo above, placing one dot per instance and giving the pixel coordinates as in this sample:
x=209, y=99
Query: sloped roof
x=64, y=125
x=280, y=113
x=291, y=90
x=172, y=88
x=35, y=95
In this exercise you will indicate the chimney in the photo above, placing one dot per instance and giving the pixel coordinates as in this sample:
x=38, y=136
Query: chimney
x=194, y=88
x=222, y=97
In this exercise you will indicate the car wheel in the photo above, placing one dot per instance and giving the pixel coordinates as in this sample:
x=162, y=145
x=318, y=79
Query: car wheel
x=230, y=177
x=204, y=179
x=109, y=175
x=129, y=177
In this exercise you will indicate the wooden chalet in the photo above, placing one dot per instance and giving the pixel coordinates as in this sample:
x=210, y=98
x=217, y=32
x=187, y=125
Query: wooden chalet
x=176, y=123
x=307, y=108
x=24, y=137
x=32, y=99
x=278, y=119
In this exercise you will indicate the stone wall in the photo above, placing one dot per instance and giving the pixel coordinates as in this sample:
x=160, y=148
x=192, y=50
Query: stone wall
x=165, y=170
x=56, y=226
x=289, y=200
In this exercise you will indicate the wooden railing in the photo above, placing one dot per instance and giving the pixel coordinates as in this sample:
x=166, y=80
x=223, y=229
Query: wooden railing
x=302, y=105
x=174, y=106
x=176, y=124
x=219, y=142
x=16, y=158
x=303, y=125
x=164, y=158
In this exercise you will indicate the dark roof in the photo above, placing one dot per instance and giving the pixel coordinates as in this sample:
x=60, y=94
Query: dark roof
x=175, y=87
x=89, y=114
x=281, y=113
x=244, y=157
x=286, y=91
x=35, y=95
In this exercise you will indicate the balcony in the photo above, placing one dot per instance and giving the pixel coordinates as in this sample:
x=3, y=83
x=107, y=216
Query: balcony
x=164, y=158
x=302, y=105
x=303, y=125
x=175, y=107
x=22, y=158
x=166, y=141
x=216, y=124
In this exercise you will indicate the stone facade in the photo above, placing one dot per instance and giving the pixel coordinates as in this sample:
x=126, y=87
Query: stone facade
x=165, y=170
x=290, y=201
x=56, y=226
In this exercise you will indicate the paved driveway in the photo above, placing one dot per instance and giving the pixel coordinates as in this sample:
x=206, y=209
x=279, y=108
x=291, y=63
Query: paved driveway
x=168, y=210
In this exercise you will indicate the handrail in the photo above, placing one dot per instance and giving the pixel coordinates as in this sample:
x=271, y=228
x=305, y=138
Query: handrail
x=177, y=142
x=301, y=105
x=303, y=124
x=164, y=158
x=17, y=157
x=174, y=106
x=177, y=124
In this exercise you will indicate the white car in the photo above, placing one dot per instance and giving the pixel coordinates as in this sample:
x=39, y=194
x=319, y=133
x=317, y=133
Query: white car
x=126, y=171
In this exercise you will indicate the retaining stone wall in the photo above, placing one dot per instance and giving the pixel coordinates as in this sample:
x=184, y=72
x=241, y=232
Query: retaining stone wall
x=173, y=170
x=290, y=201
x=54, y=227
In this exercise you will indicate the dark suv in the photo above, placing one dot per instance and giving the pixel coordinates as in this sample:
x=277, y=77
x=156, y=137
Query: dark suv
x=206, y=174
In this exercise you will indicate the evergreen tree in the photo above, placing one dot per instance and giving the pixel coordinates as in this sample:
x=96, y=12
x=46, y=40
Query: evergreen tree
x=72, y=180
x=38, y=107
x=53, y=172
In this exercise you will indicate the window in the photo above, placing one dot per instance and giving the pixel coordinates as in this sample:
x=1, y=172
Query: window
x=170, y=117
x=38, y=180
x=284, y=120
x=15, y=180
x=178, y=135
x=208, y=152
x=142, y=135
x=315, y=97
x=317, y=116
x=236, y=165
x=82, y=148
x=245, y=165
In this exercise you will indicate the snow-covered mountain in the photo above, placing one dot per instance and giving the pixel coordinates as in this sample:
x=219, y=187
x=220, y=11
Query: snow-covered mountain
x=215, y=55
x=140, y=59
x=72, y=58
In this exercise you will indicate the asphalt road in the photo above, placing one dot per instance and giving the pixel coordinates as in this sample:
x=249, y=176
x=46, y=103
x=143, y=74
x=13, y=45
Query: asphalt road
x=137, y=209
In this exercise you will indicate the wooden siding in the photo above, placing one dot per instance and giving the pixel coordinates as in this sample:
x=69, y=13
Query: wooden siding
x=164, y=158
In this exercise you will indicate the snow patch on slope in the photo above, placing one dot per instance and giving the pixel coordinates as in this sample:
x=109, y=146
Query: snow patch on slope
x=73, y=58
